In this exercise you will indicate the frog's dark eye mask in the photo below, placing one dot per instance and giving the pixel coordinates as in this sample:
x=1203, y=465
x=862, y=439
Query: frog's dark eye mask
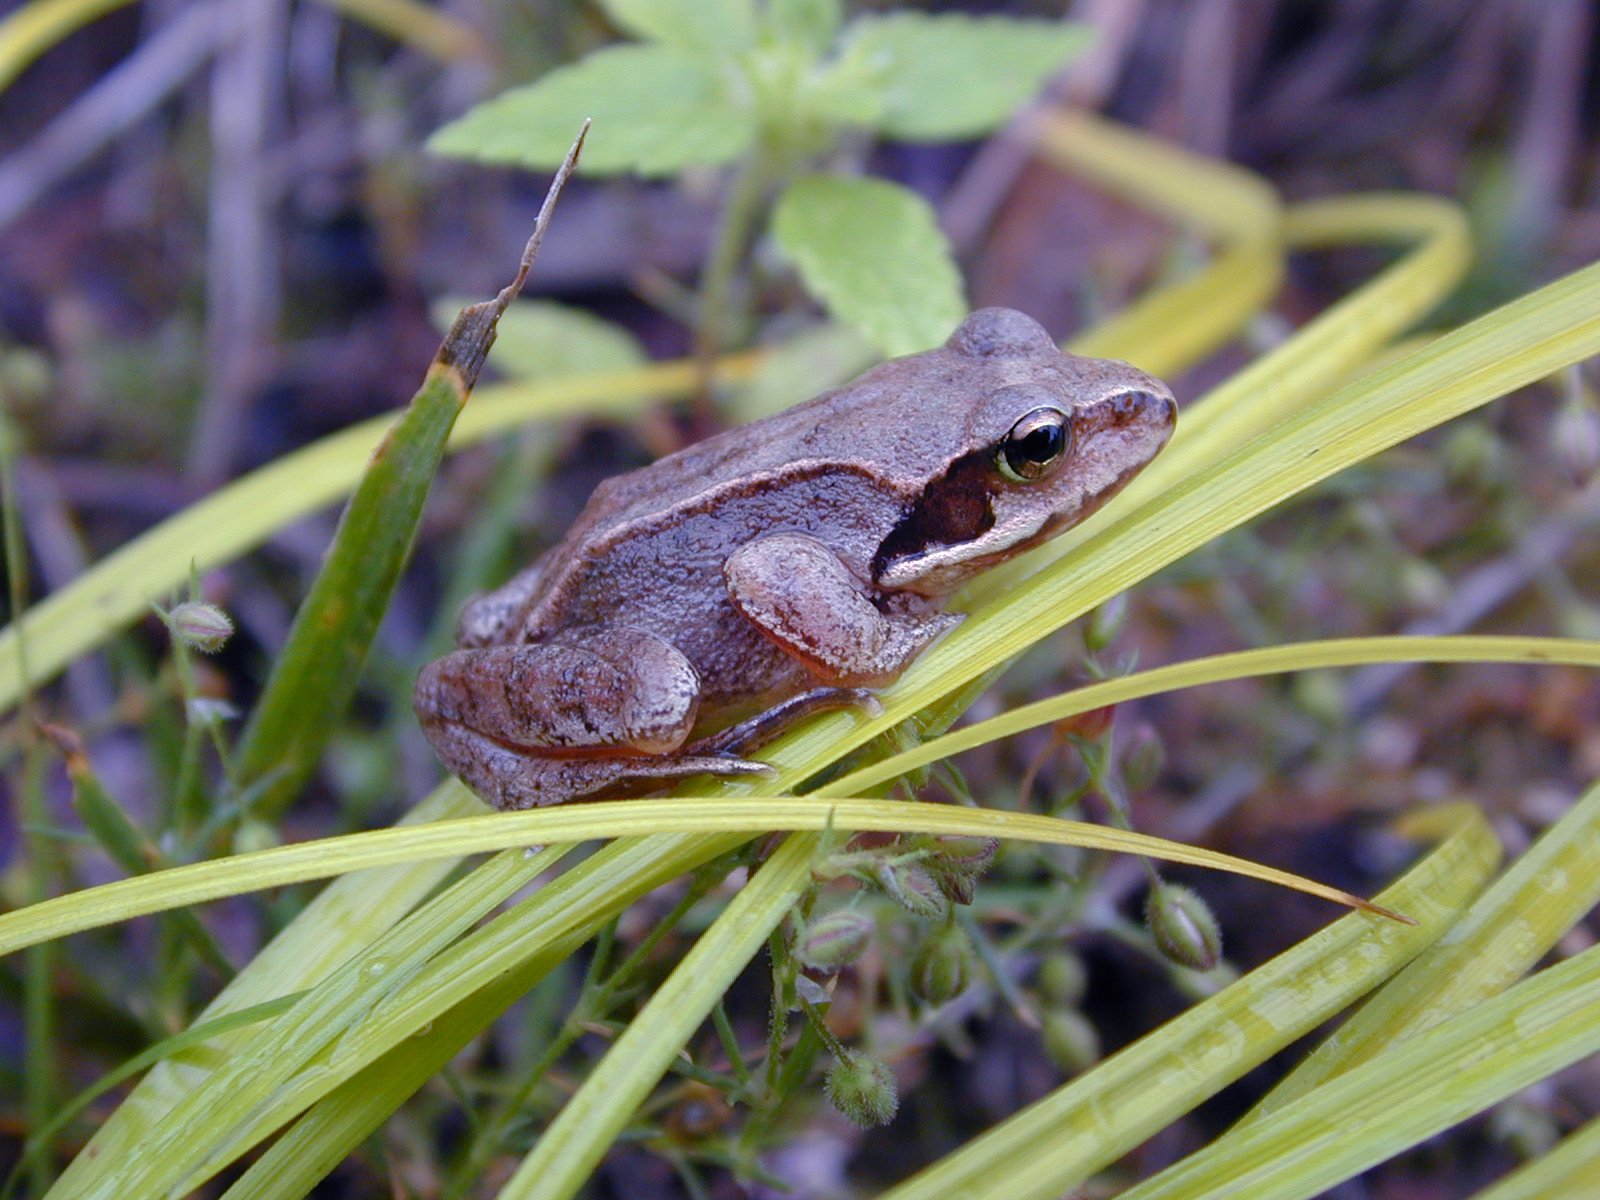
x=1048, y=472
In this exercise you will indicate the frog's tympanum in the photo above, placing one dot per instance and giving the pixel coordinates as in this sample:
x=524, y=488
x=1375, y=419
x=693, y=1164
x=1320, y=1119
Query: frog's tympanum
x=703, y=603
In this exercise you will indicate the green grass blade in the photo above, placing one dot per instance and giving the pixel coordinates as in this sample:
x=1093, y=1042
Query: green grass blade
x=1409, y=1093
x=304, y=1044
x=583, y=1131
x=1505, y=932
x=1056, y=1143
x=31, y=29
x=118, y=589
x=316, y=672
x=283, y=865
x=1571, y=1169
x=1178, y=325
x=1524, y=341
x=350, y=913
x=1243, y=664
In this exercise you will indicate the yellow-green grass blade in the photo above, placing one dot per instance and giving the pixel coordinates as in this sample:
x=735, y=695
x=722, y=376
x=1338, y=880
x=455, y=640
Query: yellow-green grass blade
x=1507, y=930
x=1326, y=352
x=197, y=883
x=195, y=1036
x=117, y=590
x=1243, y=664
x=1572, y=1169
x=429, y=29
x=1404, y=1095
x=1178, y=325
x=528, y=940
x=1056, y=1143
x=586, y=1126
x=1524, y=341
x=309, y=1040
x=31, y=29
x=350, y=913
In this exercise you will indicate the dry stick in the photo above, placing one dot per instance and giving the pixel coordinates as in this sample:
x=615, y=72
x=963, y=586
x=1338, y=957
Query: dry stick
x=123, y=97
x=474, y=330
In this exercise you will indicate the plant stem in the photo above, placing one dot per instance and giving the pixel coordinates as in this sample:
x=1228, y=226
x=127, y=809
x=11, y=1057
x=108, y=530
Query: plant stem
x=717, y=293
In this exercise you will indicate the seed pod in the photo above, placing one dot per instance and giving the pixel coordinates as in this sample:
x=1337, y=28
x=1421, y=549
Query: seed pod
x=942, y=968
x=956, y=862
x=863, y=1089
x=1105, y=623
x=834, y=941
x=203, y=626
x=1070, y=1040
x=1062, y=978
x=913, y=887
x=1183, y=927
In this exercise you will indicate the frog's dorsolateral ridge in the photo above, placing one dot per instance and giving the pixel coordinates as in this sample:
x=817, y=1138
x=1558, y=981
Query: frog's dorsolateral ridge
x=703, y=603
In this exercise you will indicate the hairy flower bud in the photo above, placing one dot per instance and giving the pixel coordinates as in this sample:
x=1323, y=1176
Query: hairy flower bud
x=942, y=968
x=835, y=940
x=203, y=626
x=863, y=1089
x=1183, y=927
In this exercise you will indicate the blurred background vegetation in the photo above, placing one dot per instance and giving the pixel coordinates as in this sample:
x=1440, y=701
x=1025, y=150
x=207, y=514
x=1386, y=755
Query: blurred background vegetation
x=221, y=237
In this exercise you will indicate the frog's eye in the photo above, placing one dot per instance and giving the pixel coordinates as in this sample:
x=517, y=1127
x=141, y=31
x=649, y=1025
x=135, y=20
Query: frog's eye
x=1034, y=445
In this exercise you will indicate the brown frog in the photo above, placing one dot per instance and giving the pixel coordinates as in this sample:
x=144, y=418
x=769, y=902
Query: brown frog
x=703, y=603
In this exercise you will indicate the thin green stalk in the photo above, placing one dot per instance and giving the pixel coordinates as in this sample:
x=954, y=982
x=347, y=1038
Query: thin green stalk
x=740, y=212
x=39, y=1066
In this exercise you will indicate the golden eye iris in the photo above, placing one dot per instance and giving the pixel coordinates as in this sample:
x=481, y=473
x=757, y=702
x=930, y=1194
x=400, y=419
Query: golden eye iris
x=1034, y=446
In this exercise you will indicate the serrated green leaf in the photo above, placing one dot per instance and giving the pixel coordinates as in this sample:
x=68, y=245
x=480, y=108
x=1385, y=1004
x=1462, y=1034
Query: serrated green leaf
x=955, y=76
x=540, y=339
x=873, y=253
x=655, y=111
x=695, y=27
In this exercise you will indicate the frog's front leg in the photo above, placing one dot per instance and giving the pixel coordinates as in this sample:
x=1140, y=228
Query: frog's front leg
x=531, y=725
x=800, y=595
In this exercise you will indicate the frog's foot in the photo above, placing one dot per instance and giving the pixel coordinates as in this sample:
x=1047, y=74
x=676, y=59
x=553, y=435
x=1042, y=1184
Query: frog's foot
x=764, y=726
x=800, y=595
x=511, y=778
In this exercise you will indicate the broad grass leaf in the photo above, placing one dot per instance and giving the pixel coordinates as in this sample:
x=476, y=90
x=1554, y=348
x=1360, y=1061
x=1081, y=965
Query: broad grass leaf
x=655, y=111
x=540, y=339
x=954, y=76
x=873, y=253
x=694, y=27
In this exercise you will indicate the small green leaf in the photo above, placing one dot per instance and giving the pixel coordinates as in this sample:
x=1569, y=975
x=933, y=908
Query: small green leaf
x=954, y=76
x=539, y=339
x=812, y=23
x=655, y=111
x=873, y=253
x=690, y=26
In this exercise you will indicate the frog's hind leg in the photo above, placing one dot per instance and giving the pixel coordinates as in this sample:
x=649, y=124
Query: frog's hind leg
x=528, y=725
x=760, y=729
x=509, y=778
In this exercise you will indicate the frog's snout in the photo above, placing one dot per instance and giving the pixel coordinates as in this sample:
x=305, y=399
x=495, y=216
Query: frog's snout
x=1149, y=408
